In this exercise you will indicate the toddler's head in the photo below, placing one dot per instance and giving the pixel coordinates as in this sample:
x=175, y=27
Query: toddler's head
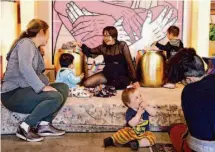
x=66, y=60
x=173, y=32
x=132, y=98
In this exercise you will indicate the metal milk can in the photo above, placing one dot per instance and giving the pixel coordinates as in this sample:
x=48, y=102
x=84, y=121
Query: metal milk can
x=152, y=65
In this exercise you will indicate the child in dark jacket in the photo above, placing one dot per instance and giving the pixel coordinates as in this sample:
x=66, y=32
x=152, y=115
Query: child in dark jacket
x=171, y=48
x=174, y=44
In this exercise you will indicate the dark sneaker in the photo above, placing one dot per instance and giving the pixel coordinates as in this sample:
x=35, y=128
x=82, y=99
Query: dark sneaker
x=49, y=130
x=30, y=136
x=108, y=142
x=134, y=144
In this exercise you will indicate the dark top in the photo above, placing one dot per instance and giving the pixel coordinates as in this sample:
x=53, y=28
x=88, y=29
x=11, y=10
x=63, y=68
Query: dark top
x=117, y=57
x=172, y=47
x=199, y=108
x=143, y=126
x=190, y=62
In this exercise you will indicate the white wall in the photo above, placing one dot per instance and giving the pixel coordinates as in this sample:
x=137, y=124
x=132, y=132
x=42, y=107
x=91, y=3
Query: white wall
x=212, y=19
x=43, y=11
x=8, y=27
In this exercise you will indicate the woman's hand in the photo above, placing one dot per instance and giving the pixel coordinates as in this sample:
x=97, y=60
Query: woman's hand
x=136, y=85
x=82, y=76
x=154, y=43
x=48, y=88
x=193, y=79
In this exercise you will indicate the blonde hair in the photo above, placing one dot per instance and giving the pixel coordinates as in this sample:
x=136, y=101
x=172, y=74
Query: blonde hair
x=33, y=28
x=126, y=95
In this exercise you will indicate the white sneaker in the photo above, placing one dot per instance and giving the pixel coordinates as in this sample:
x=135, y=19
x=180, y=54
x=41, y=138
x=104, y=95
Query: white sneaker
x=169, y=86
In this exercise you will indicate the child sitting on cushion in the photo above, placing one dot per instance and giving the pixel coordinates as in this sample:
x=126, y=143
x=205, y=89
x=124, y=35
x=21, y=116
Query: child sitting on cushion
x=136, y=133
x=67, y=75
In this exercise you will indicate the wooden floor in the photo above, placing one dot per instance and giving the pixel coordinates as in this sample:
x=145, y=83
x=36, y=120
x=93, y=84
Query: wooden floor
x=71, y=142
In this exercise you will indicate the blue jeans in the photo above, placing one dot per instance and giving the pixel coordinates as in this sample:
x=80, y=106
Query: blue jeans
x=43, y=106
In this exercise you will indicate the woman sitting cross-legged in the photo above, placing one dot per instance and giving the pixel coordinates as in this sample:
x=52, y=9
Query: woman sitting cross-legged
x=119, y=70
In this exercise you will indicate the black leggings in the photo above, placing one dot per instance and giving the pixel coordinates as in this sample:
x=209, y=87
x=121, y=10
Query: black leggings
x=95, y=80
x=43, y=106
x=119, y=82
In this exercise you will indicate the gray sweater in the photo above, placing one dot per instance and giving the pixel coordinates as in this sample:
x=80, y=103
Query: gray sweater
x=24, y=68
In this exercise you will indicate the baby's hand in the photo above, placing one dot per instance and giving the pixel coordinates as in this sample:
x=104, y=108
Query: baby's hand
x=82, y=76
x=142, y=107
x=144, y=104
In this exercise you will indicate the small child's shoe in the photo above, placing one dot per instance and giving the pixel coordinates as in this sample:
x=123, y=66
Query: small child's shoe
x=108, y=142
x=169, y=86
x=134, y=144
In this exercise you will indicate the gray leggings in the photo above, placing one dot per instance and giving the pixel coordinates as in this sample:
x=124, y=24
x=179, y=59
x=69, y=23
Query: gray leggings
x=43, y=106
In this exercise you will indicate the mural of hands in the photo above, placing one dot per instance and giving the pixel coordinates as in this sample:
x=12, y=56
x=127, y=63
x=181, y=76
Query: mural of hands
x=131, y=21
x=90, y=26
x=122, y=35
x=87, y=27
x=153, y=30
x=157, y=29
x=137, y=26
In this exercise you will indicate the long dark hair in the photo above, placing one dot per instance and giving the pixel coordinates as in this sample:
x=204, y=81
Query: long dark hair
x=112, y=31
x=184, y=54
x=33, y=28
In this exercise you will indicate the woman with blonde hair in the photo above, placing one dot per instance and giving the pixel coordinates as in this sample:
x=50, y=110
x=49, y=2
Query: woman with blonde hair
x=26, y=90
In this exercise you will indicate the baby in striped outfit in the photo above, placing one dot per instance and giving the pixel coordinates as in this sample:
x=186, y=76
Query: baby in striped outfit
x=136, y=132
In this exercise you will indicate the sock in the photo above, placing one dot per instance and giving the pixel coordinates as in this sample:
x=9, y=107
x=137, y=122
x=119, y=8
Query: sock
x=25, y=126
x=44, y=123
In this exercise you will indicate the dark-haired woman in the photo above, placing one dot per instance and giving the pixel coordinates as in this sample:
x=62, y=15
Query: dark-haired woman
x=184, y=64
x=119, y=70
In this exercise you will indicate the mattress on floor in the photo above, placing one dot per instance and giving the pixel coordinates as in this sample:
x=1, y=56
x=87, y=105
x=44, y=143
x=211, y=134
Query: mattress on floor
x=106, y=114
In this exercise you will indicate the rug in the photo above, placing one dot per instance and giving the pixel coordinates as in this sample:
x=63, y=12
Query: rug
x=163, y=148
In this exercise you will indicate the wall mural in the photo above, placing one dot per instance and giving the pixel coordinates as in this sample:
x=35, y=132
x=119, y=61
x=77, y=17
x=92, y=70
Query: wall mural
x=139, y=23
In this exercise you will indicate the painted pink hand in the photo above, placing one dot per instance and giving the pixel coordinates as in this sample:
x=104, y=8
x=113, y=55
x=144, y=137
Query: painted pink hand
x=132, y=22
x=90, y=26
x=93, y=42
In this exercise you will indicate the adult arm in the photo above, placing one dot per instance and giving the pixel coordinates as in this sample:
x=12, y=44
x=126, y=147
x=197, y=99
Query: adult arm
x=93, y=53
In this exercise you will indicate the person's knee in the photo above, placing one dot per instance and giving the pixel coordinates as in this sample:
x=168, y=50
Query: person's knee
x=62, y=88
x=56, y=97
x=87, y=84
